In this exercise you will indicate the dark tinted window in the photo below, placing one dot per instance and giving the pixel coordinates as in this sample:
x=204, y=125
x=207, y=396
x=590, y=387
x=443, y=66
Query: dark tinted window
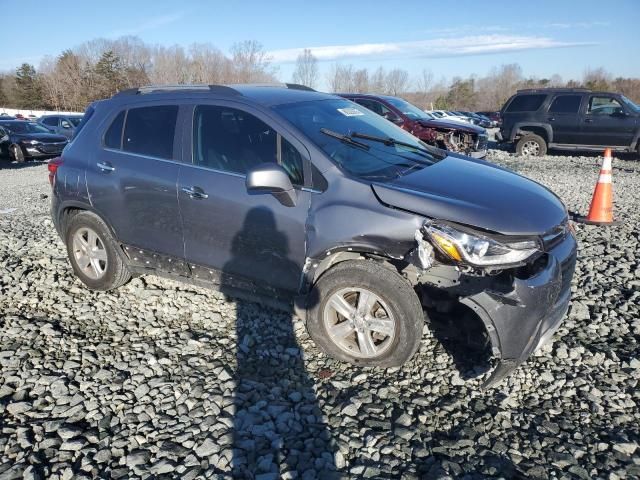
x=526, y=103
x=150, y=131
x=113, y=137
x=565, y=104
x=51, y=121
x=231, y=140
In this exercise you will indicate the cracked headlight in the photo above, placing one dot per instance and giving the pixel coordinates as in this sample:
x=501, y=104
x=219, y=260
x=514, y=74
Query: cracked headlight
x=477, y=249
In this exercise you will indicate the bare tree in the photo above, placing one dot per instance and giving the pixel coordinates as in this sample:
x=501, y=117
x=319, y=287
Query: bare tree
x=306, y=72
x=377, y=81
x=340, y=78
x=596, y=79
x=360, y=81
x=251, y=63
x=397, y=82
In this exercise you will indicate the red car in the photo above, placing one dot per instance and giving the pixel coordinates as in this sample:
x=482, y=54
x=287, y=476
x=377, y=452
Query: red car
x=453, y=136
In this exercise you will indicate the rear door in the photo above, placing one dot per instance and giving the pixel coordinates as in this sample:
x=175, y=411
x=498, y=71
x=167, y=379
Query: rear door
x=132, y=179
x=563, y=116
x=606, y=122
x=52, y=123
x=231, y=236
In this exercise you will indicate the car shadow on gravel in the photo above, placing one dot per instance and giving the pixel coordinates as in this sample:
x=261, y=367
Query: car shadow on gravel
x=278, y=424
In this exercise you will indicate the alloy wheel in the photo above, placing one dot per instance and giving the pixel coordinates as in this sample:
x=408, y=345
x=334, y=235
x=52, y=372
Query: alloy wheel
x=89, y=253
x=359, y=322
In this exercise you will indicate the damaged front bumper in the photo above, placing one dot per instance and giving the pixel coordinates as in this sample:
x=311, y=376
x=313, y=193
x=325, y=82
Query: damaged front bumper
x=523, y=319
x=520, y=307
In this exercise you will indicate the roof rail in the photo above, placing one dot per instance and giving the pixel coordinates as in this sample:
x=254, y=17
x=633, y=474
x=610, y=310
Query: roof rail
x=554, y=89
x=297, y=86
x=222, y=89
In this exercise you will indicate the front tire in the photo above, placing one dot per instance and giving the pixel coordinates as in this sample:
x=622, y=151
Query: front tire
x=94, y=254
x=531, y=145
x=366, y=314
x=16, y=153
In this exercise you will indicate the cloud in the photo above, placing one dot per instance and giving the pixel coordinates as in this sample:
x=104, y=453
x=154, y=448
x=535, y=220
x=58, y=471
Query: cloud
x=151, y=23
x=436, y=47
x=562, y=25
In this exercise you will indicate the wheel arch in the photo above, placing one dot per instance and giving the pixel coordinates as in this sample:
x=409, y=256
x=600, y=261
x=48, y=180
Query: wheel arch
x=540, y=129
x=70, y=208
x=315, y=268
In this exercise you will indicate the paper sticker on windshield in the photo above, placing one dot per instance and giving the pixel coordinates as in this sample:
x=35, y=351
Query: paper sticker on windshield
x=350, y=112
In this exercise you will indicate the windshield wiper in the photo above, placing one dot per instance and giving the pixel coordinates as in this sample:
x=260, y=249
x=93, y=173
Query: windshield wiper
x=389, y=141
x=344, y=138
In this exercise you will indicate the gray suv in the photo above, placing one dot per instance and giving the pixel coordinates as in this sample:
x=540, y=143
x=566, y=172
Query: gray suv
x=300, y=198
x=61, y=124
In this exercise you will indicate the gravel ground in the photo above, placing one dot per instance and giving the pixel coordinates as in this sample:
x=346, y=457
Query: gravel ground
x=163, y=380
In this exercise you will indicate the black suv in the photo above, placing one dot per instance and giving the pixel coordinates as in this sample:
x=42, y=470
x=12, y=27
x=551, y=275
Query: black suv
x=570, y=119
x=298, y=197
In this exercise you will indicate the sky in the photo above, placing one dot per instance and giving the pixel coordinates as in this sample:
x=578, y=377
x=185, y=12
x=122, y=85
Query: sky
x=448, y=38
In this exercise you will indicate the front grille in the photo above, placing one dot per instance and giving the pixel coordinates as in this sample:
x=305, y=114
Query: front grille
x=51, y=147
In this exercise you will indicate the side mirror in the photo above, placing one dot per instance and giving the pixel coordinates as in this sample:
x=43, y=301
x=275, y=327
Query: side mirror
x=619, y=112
x=271, y=178
x=66, y=125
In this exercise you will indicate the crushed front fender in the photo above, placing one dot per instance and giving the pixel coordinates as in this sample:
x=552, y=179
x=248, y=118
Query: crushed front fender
x=520, y=321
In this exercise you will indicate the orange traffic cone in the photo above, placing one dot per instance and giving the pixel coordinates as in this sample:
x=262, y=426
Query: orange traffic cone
x=601, y=211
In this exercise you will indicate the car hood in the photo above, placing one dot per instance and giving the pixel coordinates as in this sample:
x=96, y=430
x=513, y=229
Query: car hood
x=41, y=137
x=475, y=193
x=453, y=125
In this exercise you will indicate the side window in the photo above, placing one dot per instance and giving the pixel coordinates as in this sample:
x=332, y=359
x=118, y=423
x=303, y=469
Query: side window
x=565, y=104
x=51, y=121
x=603, y=106
x=526, y=103
x=376, y=107
x=150, y=131
x=232, y=140
x=113, y=136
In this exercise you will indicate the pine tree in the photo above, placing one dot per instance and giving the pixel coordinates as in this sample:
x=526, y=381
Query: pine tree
x=111, y=74
x=28, y=88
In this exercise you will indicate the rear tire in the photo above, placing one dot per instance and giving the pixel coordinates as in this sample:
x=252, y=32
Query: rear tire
x=531, y=145
x=16, y=153
x=385, y=335
x=94, y=254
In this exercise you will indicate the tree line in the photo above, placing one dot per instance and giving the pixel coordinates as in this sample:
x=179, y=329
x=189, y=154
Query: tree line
x=99, y=68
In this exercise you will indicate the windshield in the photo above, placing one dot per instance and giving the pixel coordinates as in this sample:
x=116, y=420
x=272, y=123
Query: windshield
x=630, y=104
x=320, y=119
x=411, y=111
x=24, y=127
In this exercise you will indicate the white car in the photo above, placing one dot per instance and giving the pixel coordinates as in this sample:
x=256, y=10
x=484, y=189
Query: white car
x=449, y=116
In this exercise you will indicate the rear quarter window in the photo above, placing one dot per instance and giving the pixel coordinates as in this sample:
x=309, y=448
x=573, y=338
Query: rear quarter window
x=113, y=136
x=526, y=103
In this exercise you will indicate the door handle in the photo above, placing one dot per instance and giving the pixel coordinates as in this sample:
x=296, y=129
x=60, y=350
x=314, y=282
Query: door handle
x=551, y=119
x=588, y=120
x=105, y=167
x=195, y=192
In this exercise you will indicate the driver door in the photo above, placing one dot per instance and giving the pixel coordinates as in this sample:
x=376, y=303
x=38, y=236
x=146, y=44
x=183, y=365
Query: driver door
x=606, y=123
